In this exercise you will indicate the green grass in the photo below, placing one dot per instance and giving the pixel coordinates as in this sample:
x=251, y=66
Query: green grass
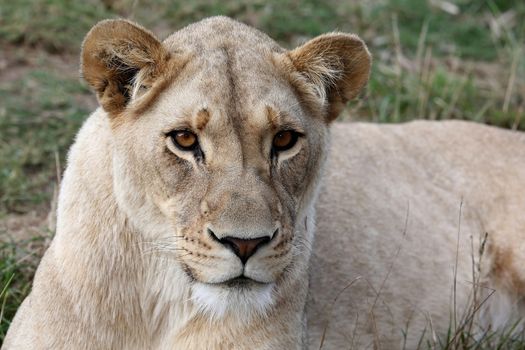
x=18, y=261
x=54, y=25
x=465, y=62
x=38, y=120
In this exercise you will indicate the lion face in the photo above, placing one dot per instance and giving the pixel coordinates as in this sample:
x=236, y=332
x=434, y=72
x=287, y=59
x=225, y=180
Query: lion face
x=228, y=169
x=219, y=140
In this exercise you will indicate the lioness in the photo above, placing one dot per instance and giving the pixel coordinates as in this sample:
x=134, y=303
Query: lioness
x=187, y=211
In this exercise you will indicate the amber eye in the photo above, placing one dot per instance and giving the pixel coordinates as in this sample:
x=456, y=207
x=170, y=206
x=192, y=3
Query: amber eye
x=284, y=140
x=184, y=139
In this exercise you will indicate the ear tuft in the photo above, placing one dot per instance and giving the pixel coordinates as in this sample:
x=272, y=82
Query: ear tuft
x=334, y=67
x=113, y=54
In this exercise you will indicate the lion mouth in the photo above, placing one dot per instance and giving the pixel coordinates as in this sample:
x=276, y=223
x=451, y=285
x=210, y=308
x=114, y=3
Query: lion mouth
x=240, y=282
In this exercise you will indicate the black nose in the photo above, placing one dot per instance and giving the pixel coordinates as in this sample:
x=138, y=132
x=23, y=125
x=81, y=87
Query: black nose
x=243, y=248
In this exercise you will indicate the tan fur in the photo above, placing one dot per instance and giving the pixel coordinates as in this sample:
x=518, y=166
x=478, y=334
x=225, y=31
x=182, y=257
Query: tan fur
x=133, y=264
x=397, y=204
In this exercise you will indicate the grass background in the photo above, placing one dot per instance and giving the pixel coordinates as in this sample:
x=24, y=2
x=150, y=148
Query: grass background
x=433, y=59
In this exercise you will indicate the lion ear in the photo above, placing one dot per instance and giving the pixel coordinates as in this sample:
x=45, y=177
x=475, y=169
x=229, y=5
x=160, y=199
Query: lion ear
x=334, y=68
x=113, y=54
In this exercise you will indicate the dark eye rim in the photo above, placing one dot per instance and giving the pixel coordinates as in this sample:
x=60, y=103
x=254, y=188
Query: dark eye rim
x=172, y=135
x=295, y=137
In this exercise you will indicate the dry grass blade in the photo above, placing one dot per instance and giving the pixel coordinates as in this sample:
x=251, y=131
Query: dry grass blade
x=512, y=79
x=456, y=264
x=325, y=329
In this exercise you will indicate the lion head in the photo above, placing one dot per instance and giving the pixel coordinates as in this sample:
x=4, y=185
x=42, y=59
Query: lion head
x=219, y=137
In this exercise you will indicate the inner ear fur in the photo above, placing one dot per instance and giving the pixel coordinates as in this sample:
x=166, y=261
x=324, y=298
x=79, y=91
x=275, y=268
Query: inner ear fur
x=113, y=53
x=333, y=69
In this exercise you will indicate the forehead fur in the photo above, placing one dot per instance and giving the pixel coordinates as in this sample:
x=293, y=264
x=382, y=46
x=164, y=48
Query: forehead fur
x=231, y=60
x=230, y=70
x=220, y=32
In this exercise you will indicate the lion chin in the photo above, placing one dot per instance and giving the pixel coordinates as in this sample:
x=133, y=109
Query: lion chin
x=240, y=297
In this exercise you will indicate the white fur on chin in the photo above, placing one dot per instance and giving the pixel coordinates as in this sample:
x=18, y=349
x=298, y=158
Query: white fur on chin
x=217, y=301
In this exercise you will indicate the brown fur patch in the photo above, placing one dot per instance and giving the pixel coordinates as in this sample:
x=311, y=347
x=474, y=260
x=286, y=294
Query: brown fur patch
x=505, y=271
x=201, y=119
x=273, y=117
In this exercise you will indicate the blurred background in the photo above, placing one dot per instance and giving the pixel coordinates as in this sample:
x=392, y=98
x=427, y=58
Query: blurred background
x=433, y=59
